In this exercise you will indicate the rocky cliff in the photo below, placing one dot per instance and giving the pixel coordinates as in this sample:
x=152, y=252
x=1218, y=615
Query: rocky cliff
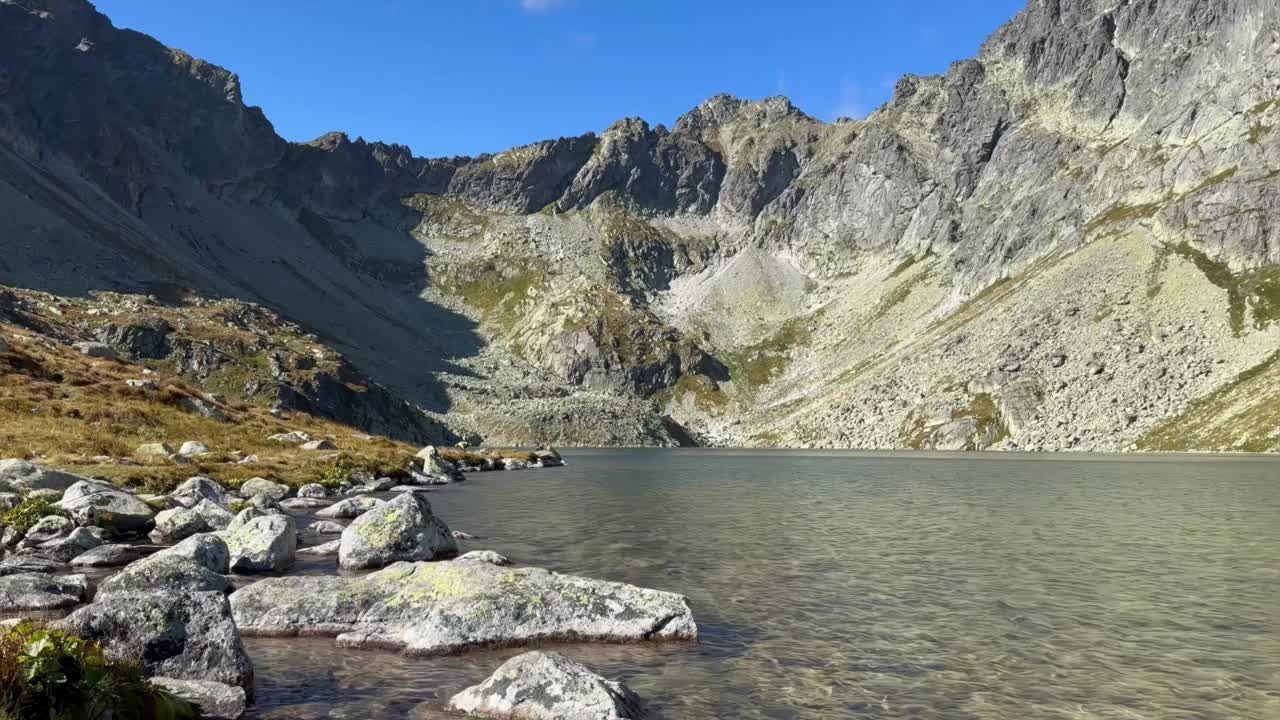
x=1067, y=242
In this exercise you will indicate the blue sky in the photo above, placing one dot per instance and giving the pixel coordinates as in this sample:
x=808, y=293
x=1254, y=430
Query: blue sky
x=469, y=76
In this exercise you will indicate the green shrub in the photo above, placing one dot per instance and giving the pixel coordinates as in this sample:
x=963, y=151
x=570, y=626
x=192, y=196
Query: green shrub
x=338, y=472
x=28, y=513
x=51, y=674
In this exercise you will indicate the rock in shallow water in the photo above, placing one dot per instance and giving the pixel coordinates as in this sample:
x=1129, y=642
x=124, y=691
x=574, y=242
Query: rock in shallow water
x=547, y=686
x=164, y=573
x=91, y=503
x=351, y=507
x=403, y=529
x=37, y=591
x=187, y=636
x=106, y=556
x=266, y=543
x=215, y=701
x=448, y=606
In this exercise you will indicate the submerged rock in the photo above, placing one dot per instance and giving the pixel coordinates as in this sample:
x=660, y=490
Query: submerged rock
x=329, y=548
x=182, y=635
x=214, y=700
x=547, y=686
x=403, y=529
x=325, y=527
x=449, y=606
x=488, y=556
x=265, y=543
x=38, y=591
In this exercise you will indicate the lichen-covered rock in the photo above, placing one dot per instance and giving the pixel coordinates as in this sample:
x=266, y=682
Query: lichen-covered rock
x=243, y=517
x=488, y=556
x=38, y=591
x=197, y=488
x=91, y=503
x=48, y=529
x=214, y=700
x=25, y=476
x=449, y=606
x=313, y=490
x=106, y=556
x=547, y=686
x=208, y=550
x=182, y=635
x=176, y=524
x=402, y=529
x=156, y=449
x=263, y=544
x=262, y=486
x=193, y=448
x=296, y=437
x=186, y=567
x=215, y=515
x=351, y=507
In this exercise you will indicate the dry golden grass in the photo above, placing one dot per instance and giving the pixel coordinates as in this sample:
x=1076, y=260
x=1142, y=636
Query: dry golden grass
x=67, y=410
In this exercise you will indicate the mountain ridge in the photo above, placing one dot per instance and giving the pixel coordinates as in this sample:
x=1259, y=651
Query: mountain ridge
x=731, y=278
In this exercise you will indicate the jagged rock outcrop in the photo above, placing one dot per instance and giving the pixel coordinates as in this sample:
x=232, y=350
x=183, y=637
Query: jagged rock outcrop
x=751, y=275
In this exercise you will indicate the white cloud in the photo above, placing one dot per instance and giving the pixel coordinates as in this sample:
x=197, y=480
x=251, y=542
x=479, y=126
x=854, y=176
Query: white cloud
x=540, y=7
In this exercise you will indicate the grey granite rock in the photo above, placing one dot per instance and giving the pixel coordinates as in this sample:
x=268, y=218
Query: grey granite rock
x=547, y=686
x=403, y=529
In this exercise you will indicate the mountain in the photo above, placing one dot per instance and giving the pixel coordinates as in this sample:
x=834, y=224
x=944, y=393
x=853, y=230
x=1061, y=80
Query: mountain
x=1071, y=241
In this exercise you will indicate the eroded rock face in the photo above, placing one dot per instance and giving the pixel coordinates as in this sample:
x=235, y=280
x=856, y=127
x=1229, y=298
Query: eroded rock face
x=266, y=543
x=92, y=503
x=402, y=529
x=182, y=635
x=449, y=606
x=547, y=686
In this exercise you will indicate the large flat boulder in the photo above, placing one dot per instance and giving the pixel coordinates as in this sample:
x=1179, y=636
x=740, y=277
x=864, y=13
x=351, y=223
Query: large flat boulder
x=402, y=529
x=449, y=606
x=182, y=635
x=547, y=686
x=92, y=503
x=37, y=591
x=165, y=573
x=25, y=476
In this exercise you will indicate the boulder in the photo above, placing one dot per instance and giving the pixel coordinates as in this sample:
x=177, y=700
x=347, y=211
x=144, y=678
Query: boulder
x=176, y=524
x=106, y=556
x=96, y=350
x=8, y=501
x=182, y=635
x=450, y=606
x=78, y=542
x=39, y=591
x=244, y=516
x=25, y=564
x=379, y=485
x=313, y=490
x=193, y=565
x=318, y=445
x=23, y=477
x=262, y=502
x=197, y=488
x=437, y=467
x=300, y=504
x=325, y=527
x=262, y=486
x=402, y=529
x=91, y=503
x=329, y=548
x=48, y=529
x=215, y=515
x=488, y=556
x=409, y=489
x=192, y=448
x=213, y=700
x=263, y=544
x=547, y=686
x=351, y=507
x=204, y=408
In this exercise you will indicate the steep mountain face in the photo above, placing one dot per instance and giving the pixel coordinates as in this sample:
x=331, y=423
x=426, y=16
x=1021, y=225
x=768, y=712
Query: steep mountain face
x=1067, y=242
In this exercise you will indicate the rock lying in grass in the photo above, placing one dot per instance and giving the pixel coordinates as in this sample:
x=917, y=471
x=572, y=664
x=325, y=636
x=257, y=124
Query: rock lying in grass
x=351, y=507
x=177, y=524
x=318, y=445
x=38, y=591
x=197, y=488
x=450, y=606
x=193, y=448
x=23, y=477
x=91, y=503
x=213, y=700
x=313, y=490
x=106, y=556
x=263, y=544
x=402, y=529
x=204, y=408
x=261, y=486
x=296, y=437
x=182, y=635
x=547, y=686
x=48, y=529
x=164, y=573
x=153, y=450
